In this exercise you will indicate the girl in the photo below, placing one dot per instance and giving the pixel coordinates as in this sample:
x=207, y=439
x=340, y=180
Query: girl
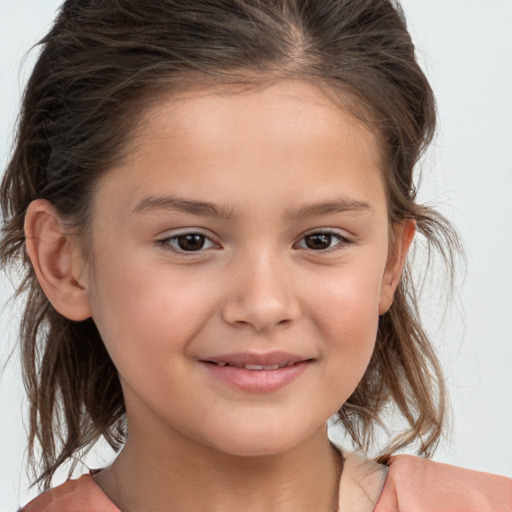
x=213, y=203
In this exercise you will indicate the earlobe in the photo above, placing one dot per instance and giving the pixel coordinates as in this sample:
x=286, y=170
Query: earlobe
x=403, y=237
x=57, y=262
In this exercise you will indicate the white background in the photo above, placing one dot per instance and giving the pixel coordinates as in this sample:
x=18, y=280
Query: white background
x=466, y=49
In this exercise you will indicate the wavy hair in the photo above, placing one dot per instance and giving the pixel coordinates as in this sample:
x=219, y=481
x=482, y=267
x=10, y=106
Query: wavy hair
x=99, y=66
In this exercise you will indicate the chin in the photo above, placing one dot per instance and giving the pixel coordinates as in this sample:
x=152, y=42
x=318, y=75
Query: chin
x=256, y=449
x=262, y=441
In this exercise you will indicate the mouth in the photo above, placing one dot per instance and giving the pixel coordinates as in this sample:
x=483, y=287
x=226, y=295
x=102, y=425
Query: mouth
x=257, y=373
x=258, y=361
x=256, y=367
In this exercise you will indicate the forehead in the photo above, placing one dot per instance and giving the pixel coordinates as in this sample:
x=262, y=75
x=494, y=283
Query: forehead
x=272, y=134
x=264, y=108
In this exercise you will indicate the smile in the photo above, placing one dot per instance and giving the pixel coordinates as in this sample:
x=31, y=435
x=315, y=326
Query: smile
x=257, y=367
x=257, y=373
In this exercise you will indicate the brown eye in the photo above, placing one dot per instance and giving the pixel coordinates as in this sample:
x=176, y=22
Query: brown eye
x=322, y=241
x=192, y=242
x=318, y=241
x=187, y=242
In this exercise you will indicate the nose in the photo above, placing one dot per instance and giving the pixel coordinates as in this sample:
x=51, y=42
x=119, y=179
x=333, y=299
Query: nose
x=262, y=295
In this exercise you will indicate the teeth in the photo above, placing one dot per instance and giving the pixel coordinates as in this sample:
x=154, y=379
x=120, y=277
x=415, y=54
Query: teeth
x=261, y=367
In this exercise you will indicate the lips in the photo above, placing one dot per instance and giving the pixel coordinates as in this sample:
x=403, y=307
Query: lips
x=252, y=366
x=279, y=359
x=257, y=373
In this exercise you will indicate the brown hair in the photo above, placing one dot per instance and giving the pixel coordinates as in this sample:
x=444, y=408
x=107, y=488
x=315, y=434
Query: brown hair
x=98, y=65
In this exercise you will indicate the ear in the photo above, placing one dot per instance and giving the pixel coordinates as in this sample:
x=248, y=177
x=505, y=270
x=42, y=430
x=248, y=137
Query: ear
x=57, y=261
x=403, y=234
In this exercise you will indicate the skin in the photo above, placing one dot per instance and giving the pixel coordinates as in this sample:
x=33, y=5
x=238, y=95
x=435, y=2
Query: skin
x=263, y=157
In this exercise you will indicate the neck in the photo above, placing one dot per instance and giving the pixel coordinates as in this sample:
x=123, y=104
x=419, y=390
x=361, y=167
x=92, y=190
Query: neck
x=186, y=476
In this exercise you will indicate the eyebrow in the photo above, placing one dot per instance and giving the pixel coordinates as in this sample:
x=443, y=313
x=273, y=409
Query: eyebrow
x=178, y=204
x=207, y=209
x=338, y=205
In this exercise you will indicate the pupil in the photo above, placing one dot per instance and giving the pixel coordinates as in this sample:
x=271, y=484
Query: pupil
x=318, y=241
x=191, y=242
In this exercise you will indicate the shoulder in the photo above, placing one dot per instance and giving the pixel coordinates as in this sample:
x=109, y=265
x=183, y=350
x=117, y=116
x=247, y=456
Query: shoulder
x=414, y=484
x=80, y=495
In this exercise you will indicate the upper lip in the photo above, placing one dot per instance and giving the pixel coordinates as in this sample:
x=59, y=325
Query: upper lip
x=261, y=359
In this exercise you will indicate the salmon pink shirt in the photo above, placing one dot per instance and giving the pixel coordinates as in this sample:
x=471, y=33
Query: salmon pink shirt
x=407, y=484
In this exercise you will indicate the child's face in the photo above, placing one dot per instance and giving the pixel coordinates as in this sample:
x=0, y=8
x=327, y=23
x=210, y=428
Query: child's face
x=250, y=228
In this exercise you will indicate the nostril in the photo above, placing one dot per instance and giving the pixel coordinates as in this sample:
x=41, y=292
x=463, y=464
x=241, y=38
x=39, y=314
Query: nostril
x=259, y=311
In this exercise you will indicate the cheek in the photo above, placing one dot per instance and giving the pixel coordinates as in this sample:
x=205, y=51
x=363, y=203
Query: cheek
x=348, y=302
x=346, y=315
x=142, y=312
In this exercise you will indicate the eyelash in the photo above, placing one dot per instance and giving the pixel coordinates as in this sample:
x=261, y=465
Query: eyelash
x=167, y=243
x=342, y=241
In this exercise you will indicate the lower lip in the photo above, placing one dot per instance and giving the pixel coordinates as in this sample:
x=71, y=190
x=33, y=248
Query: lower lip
x=257, y=381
